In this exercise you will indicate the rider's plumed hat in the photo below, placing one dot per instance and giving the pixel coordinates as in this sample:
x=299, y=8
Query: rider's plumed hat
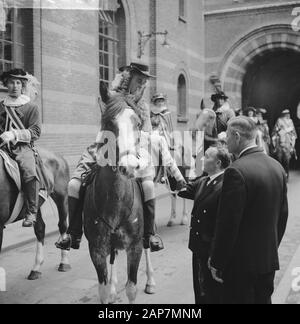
x=15, y=73
x=220, y=95
x=138, y=67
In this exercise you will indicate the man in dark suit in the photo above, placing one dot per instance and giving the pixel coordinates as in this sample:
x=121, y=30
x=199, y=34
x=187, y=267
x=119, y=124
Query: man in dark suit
x=251, y=221
x=206, y=193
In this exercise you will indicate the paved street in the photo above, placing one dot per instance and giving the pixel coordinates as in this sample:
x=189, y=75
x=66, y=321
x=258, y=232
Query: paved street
x=172, y=266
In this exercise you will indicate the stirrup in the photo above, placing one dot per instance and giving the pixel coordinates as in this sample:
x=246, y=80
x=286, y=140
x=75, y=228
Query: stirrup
x=29, y=221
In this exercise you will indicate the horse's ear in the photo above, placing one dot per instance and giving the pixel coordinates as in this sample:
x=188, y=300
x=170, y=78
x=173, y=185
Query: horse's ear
x=202, y=105
x=102, y=105
x=103, y=89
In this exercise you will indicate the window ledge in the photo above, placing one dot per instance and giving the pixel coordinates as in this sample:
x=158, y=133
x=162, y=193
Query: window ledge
x=182, y=19
x=183, y=120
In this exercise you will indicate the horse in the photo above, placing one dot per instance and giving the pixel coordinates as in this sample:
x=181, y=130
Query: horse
x=113, y=205
x=57, y=171
x=282, y=149
x=190, y=152
x=261, y=142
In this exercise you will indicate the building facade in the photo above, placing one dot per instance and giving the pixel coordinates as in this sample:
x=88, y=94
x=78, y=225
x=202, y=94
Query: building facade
x=70, y=51
x=252, y=45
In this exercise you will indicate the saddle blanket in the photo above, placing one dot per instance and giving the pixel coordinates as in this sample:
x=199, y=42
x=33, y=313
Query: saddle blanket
x=13, y=171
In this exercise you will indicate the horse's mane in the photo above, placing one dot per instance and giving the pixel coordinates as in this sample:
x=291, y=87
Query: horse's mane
x=113, y=107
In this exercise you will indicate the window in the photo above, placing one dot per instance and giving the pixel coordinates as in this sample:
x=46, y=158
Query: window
x=112, y=40
x=182, y=99
x=12, y=41
x=182, y=10
x=108, y=45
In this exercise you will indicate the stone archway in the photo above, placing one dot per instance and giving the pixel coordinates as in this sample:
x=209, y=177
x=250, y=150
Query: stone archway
x=252, y=46
x=272, y=81
x=263, y=70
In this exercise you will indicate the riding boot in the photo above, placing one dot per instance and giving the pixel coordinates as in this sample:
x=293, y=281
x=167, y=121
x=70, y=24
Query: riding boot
x=74, y=232
x=151, y=240
x=31, y=190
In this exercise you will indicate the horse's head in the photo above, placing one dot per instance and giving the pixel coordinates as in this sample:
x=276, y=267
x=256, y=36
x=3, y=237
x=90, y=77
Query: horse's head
x=205, y=120
x=122, y=123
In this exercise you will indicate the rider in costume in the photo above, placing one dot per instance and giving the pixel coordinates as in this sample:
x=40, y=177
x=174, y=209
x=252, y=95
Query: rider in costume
x=129, y=85
x=20, y=127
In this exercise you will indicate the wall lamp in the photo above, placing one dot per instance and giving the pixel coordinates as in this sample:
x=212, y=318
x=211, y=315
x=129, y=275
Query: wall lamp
x=144, y=38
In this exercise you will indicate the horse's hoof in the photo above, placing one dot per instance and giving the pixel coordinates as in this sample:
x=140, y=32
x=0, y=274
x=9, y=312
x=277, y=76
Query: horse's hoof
x=34, y=275
x=171, y=223
x=64, y=267
x=113, y=299
x=150, y=289
x=184, y=221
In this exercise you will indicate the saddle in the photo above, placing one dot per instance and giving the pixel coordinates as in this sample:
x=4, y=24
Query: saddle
x=88, y=177
x=13, y=171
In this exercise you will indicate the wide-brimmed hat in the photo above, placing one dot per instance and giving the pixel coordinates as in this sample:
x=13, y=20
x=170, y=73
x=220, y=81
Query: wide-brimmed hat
x=158, y=96
x=15, y=73
x=217, y=96
x=140, y=68
x=285, y=112
x=261, y=111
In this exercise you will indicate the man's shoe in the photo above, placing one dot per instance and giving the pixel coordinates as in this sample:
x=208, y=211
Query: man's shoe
x=68, y=243
x=156, y=243
x=75, y=243
x=64, y=244
x=29, y=221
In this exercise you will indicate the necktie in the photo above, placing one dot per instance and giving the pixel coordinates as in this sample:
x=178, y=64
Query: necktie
x=207, y=181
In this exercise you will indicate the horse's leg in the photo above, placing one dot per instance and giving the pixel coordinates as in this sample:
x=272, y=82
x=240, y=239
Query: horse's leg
x=134, y=255
x=1, y=236
x=62, y=207
x=113, y=282
x=39, y=230
x=100, y=264
x=173, y=210
x=184, y=220
x=150, y=285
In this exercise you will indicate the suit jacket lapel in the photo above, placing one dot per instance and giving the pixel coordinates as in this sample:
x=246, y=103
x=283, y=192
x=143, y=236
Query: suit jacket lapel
x=201, y=189
x=207, y=190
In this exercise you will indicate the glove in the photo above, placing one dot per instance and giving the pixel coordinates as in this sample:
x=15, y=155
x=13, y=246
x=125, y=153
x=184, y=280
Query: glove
x=8, y=137
x=180, y=185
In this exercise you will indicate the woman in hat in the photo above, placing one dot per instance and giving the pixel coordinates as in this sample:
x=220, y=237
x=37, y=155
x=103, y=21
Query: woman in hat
x=251, y=113
x=285, y=128
x=20, y=127
x=263, y=130
x=223, y=111
x=127, y=88
x=161, y=116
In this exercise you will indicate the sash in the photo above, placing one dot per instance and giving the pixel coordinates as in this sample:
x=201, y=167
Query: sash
x=12, y=119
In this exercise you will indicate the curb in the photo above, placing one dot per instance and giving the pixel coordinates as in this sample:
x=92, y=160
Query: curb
x=50, y=234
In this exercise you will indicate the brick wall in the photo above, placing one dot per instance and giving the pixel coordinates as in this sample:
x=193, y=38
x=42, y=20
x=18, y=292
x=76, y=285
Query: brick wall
x=227, y=24
x=65, y=59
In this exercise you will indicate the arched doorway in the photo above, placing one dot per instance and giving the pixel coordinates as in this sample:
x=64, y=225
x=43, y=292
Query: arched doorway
x=182, y=97
x=262, y=69
x=272, y=81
